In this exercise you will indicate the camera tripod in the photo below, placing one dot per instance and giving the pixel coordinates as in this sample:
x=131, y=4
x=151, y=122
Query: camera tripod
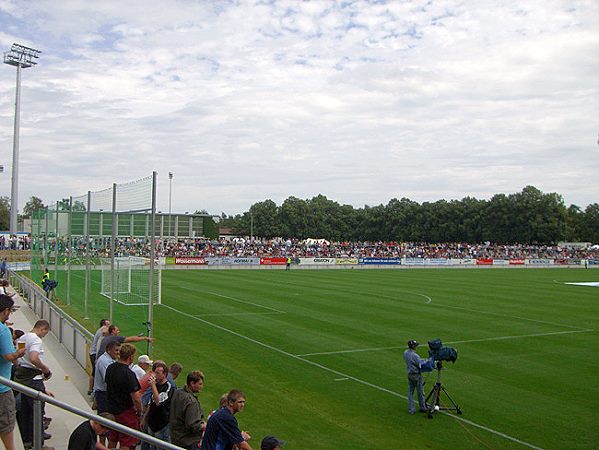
x=435, y=396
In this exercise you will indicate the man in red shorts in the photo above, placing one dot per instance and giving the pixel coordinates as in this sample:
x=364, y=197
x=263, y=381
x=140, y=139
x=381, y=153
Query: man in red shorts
x=124, y=398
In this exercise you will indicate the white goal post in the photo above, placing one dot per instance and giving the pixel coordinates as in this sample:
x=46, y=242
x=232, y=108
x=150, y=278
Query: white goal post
x=131, y=280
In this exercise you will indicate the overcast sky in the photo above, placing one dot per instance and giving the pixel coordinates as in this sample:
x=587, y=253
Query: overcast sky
x=251, y=100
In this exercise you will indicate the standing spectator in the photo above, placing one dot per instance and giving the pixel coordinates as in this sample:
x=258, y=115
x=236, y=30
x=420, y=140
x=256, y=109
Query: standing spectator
x=222, y=430
x=141, y=368
x=9, y=356
x=93, y=348
x=110, y=356
x=173, y=372
x=413, y=365
x=186, y=415
x=3, y=268
x=122, y=389
x=85, y=436
x=113, y=334
x=160, y=404
x=32, y=372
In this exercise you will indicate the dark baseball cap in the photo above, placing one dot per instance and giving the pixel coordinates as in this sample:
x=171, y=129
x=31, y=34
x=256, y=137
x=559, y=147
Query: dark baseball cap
x=412, y=343
x=271, y=442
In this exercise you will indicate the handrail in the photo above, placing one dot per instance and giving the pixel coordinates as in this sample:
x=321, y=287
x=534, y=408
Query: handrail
x=53, y=306
x=40, y=396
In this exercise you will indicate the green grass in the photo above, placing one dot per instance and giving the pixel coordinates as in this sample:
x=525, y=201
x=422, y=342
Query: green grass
x=526, y=341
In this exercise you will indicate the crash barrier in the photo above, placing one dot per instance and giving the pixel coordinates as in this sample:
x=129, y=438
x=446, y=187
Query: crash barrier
x=40, y=397
x=376, y=261
x=67, y=330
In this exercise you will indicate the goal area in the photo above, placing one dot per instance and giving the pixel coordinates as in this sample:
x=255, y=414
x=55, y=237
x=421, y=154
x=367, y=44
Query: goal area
x=130, y=281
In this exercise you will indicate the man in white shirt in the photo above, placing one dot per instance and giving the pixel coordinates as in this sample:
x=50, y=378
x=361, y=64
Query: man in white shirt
x=32, y=372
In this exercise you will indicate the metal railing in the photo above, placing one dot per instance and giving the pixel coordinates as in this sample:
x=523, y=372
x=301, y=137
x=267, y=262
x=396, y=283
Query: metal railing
x=67, y=330
x=39, y=397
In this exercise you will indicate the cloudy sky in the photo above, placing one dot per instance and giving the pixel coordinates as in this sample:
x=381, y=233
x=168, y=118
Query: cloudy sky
x=361, y=101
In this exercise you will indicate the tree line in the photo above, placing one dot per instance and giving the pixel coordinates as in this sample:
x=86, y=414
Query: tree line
x=529, y=216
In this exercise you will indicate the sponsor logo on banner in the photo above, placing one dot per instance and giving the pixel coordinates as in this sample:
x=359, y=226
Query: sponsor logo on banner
x=575, y=262
x=346, y=260
x=500, y=262
x=462, y=262
x=517, y=262
x=539, y=262
x=561, y=262
x=189, y=261
x=413, y=261
x=386, y=261
x=273, y=261
x=593, y=262
x=246, y=261
x=484, y=261
x=435, y=262
x=317, y=261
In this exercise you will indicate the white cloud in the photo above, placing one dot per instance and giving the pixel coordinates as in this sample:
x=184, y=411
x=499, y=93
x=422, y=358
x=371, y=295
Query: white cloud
x=359, y=101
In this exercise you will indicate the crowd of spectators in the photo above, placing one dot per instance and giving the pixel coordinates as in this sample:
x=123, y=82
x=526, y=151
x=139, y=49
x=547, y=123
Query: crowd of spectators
x=321, y=248
x=15, y=242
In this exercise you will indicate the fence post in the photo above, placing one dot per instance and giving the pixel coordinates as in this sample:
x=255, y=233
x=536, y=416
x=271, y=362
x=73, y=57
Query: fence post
x=37, y=424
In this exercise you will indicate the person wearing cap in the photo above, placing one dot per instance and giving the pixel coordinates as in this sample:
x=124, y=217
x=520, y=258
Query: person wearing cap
x=271, y=443
x=413, y=365
x=141, y=368
x=9, y=356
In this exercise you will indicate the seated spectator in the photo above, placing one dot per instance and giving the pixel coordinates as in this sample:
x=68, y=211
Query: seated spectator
x=85, y=436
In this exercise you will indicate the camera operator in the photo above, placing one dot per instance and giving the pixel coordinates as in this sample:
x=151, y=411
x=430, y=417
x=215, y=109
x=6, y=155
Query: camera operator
x=414, y=366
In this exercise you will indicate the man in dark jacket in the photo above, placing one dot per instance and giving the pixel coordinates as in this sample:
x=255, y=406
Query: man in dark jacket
x=85, y=436
x=160, y=403
x=186, y=415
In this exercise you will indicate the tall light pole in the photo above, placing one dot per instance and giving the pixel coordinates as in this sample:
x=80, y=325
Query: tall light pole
x=170, y=192
x=21, y=57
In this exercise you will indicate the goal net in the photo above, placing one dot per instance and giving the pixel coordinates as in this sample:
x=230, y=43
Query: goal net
x=130, y=282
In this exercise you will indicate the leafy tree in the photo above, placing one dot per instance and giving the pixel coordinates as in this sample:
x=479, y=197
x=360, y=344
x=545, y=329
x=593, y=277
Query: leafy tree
x=33, y=204
x=4, y=213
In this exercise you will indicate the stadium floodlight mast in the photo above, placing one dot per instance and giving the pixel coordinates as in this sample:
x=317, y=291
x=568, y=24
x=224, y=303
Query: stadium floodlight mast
x=170, y=191
x=22, y=58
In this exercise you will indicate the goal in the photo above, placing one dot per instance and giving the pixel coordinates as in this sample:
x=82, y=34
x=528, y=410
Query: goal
x=131, y=280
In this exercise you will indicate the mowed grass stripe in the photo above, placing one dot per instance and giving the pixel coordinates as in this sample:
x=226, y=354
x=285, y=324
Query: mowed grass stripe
x=529, y=388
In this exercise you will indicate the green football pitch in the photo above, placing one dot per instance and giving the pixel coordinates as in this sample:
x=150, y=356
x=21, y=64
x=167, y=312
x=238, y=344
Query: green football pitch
x=319, y=353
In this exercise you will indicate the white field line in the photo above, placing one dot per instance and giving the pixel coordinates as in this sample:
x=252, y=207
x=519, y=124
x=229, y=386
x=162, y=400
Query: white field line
x=246, y=302
x=344, y=375
x=511, y=317
x=498, y=338
x=239, y=314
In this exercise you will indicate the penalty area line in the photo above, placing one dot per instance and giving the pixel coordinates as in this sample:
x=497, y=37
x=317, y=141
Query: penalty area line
x=344, y=375
x=246, y=302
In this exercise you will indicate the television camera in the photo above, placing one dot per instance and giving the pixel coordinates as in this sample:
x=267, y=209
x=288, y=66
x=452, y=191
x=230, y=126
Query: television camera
x=438, y=353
